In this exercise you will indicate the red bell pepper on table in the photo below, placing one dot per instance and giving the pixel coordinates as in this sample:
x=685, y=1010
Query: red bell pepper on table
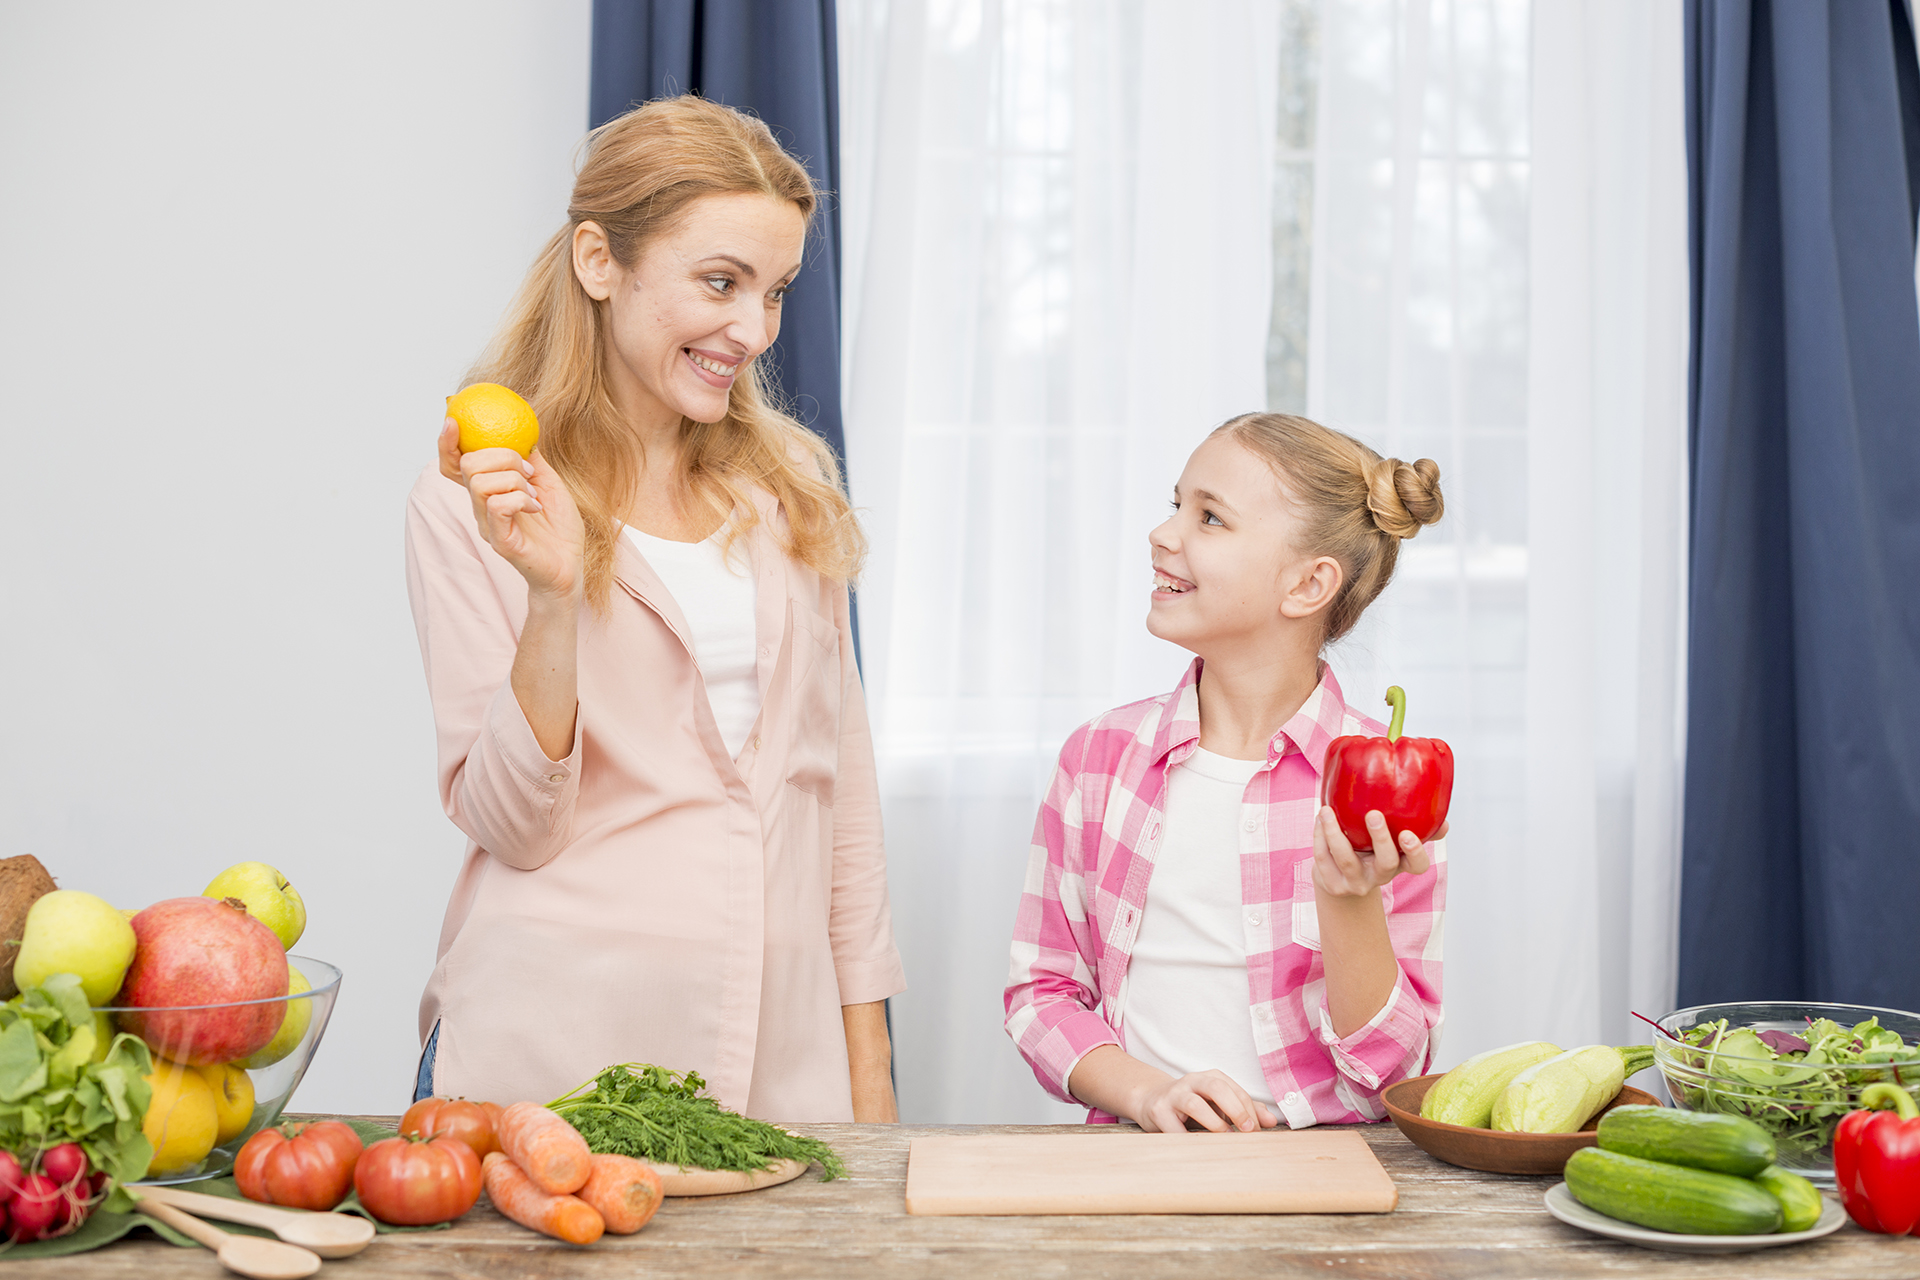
x=1409, y=780
x=1876, y=1161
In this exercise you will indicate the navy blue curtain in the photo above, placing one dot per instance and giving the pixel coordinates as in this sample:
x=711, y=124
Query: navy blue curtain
x=778, y=60
x=1801, y=870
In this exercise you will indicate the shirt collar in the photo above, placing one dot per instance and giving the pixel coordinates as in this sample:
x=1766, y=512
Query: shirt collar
x=1309, y=730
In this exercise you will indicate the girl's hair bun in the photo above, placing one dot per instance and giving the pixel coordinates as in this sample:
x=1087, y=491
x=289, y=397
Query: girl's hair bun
x=1404, y=497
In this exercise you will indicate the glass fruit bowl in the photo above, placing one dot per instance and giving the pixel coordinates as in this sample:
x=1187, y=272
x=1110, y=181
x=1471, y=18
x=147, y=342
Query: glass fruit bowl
x=1798, y=1103
x=249, y=1094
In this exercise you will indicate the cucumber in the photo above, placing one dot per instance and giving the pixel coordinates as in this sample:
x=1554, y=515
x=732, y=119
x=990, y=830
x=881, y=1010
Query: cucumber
x=1800, y=1201
x=1671, y=1197
x=1698, y=1139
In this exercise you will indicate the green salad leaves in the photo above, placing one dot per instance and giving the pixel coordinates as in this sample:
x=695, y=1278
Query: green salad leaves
x=651, y=1113
x=1796, y=1086
x=66, y=1077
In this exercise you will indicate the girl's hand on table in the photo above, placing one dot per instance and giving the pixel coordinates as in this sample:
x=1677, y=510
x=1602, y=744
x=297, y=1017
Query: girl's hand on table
x=1341, y=871
x=1211, y=1099
x=524, y=510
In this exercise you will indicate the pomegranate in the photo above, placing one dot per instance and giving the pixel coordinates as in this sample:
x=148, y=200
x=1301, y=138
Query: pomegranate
x=203, y=951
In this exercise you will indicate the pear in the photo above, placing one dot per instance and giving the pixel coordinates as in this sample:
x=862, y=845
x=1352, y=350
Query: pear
x=292, y=1027
x=73, y=932
x=268, y=898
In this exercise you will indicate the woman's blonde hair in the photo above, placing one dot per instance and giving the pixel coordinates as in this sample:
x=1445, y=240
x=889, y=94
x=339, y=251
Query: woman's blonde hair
x=1358, y=505
x=639, y=175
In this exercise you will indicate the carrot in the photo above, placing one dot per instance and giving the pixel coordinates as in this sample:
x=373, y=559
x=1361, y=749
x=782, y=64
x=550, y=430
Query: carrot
x=567, y=1218
x=624, y=1191
x=548, y=1150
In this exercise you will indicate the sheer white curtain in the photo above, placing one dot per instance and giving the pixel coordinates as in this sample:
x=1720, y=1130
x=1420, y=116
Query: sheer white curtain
x=1498, y=281
x=1080, y=233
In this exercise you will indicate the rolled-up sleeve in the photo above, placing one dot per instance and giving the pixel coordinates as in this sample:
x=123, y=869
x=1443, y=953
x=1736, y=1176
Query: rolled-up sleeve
x=496, y=783
x=1398, y=1041
x=860, y=919
x=1052, y=994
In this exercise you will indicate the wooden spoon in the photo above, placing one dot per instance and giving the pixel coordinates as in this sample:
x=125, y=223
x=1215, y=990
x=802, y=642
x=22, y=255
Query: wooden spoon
x=253, y=1256
x=331, y=1235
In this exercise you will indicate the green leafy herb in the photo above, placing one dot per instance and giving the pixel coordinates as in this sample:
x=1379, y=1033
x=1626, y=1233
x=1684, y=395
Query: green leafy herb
x=65, y=1077
x=668, y=1116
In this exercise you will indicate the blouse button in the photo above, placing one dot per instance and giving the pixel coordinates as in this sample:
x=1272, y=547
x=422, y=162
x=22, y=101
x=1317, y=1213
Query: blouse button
x=1249, y=825
x=556, y=777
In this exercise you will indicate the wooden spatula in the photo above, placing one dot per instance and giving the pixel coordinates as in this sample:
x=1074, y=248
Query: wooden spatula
x=252, y=1256
x=331, y=1235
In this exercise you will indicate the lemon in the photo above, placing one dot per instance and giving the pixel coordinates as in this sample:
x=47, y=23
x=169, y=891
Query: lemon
x=492, y=417
x=292, y=1027
x=232, y=1098
x=182, y=1121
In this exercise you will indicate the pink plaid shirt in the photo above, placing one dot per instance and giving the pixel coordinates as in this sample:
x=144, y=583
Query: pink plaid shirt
x=1093, y=850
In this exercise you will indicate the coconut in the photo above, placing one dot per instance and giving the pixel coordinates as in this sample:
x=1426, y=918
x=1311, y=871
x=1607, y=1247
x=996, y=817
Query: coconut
x=22, y=883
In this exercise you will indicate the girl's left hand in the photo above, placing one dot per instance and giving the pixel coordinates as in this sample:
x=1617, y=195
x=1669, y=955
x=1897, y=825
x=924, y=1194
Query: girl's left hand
x=1342, y=871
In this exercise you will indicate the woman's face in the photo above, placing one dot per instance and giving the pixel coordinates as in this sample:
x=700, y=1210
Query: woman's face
x=1226, y=565
x=702, y=300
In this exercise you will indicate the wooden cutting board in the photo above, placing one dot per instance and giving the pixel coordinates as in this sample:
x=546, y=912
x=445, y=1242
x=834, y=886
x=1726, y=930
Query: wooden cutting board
x=1276, y=1171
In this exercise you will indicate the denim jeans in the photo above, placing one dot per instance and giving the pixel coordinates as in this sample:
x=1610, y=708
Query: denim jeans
x=423, y=1082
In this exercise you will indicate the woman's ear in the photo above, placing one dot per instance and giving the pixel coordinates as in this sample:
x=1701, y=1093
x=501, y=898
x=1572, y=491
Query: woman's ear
x=593, y=264
x=1310, y=586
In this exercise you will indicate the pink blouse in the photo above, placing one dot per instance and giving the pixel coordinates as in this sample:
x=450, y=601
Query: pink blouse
x=648, y=899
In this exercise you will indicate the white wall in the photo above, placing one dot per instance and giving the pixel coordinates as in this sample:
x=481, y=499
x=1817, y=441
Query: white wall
x=244, y=251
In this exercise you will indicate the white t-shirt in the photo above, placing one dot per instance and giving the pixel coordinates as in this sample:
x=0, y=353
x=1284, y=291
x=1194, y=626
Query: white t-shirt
x=718, y=602
x=1186, y=1006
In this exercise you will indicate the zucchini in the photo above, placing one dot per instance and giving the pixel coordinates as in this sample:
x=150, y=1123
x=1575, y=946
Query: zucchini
x=1465, y=1095
x=1800, y=1201
x=1698, y=1139
x=1671, y=1197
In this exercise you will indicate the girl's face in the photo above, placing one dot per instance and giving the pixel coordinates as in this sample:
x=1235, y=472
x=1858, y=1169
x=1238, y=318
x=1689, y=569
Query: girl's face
x=701, y=301
x=1227, y=568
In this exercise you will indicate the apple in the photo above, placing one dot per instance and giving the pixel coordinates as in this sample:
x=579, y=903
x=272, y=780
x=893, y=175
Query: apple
x=270, y=899
x=198, y=952
x=232, y=1099
x=68, y=931
x=292, y=1028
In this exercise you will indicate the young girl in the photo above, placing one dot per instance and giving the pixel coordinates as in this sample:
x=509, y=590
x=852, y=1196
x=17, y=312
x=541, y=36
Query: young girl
x=1197, y=941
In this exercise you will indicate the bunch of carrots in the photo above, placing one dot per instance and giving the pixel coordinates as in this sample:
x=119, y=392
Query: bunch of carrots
x=544, y=1177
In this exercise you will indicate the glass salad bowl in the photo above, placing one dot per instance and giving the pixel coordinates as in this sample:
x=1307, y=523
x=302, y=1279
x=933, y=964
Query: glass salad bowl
x=185, y=1148
x=1793, y=1068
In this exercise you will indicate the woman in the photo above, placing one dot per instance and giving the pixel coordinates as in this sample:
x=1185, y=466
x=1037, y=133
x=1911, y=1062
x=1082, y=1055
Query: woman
x=637, y=647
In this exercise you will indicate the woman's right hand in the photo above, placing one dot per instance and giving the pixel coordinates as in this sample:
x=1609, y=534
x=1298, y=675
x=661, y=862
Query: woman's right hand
x=524, y=510
x=1210, y=1099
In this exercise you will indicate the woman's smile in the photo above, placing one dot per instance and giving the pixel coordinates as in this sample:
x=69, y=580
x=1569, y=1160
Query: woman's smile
x=712, y=368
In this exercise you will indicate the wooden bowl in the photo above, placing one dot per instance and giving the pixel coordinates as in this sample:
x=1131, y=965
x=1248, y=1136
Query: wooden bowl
x=1486, y=1149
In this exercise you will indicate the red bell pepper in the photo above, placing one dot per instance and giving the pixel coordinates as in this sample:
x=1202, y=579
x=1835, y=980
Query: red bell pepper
x=1876, y=1161
x=1409, y=780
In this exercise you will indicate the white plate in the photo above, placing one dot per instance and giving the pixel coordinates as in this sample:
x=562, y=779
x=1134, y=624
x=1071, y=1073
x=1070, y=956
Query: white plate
x=1562, y=1205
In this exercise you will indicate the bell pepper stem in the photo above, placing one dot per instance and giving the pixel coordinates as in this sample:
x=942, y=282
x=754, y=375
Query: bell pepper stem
x=1397, y=699
x=1875, y=1097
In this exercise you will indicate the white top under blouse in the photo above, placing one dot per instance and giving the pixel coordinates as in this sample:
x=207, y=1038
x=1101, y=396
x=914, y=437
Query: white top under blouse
x=718, y=601
x=1186, y=1006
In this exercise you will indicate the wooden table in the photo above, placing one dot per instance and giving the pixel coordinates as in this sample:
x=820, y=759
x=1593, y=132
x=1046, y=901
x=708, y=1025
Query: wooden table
x=1450, y=1223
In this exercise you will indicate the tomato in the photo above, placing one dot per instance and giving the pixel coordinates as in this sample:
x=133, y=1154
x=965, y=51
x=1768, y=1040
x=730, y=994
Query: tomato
x=415, y=1182
x=301, y=1166
x=470, y=1122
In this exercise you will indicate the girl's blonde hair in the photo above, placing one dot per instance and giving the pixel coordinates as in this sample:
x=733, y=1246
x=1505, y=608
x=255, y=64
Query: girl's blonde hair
x=638, y=177
x=1358, y=505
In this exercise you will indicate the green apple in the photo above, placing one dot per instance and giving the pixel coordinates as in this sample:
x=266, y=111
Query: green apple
x=292, y=1027
x=269, y=898
x=68, y=931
